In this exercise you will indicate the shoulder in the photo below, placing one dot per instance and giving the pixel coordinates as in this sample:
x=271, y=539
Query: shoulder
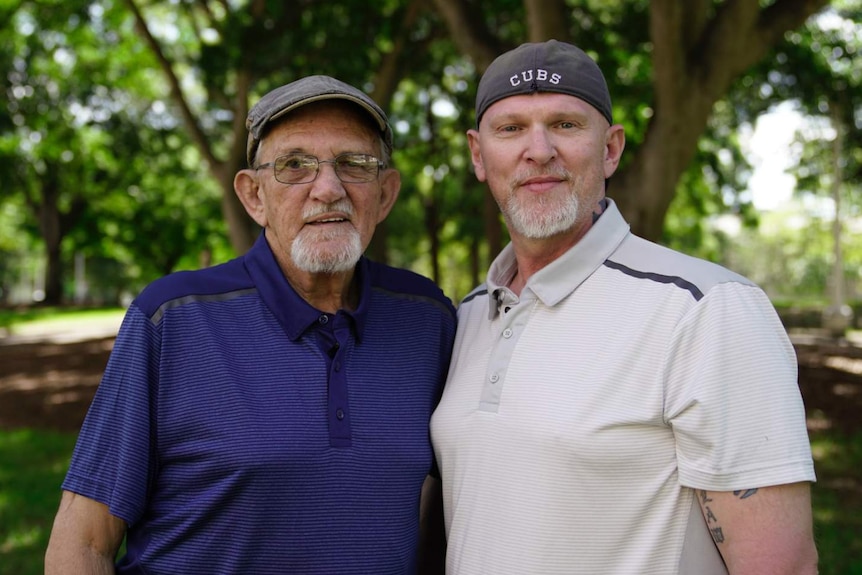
x=645, y=260
x=405, y=284
x=480, y=292
x=218, y=282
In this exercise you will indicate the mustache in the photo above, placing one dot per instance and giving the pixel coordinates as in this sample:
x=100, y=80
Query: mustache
x=554, y=171
x=343, y=205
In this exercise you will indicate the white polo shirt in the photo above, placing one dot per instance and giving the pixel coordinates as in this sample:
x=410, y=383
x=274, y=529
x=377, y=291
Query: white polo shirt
x=579, y=417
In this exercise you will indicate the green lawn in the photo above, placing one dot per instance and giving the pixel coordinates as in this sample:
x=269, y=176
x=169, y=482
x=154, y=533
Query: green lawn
x=33, y=463
x=14, y=320
x=837, y=502
x=32, y=466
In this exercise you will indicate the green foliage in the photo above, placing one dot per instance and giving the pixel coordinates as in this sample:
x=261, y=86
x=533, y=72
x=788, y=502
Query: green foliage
x=135, y=191
x=88, y=139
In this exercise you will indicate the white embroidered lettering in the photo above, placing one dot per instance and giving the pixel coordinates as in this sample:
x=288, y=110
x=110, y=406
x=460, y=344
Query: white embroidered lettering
x=514, y=80
x=527, y=75
x=555, y=78
x=541, y=75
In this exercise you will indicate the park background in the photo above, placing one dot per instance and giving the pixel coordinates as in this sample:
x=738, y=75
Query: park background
x=123, y=123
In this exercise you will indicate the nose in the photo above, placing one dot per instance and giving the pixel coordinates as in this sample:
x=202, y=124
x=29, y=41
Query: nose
x=326, y=187
x=540, y=146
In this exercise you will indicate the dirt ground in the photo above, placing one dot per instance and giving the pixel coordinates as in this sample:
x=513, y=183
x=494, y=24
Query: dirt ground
x=49, y=385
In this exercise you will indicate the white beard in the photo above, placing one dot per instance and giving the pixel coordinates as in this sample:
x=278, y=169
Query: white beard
x=543, y=216
x=330, y=250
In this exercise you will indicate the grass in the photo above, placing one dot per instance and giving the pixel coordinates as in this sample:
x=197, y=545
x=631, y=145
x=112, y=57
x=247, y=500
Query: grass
x=33, y=464
x=32, y=467
x=14, y=319
x=837, y=502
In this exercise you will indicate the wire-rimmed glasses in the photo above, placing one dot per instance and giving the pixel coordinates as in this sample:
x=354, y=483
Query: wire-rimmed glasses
x=350, y=168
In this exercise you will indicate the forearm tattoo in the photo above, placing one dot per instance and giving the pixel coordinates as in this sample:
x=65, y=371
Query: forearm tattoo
x=711, y=520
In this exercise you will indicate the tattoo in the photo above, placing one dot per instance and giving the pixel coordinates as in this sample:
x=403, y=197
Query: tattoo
x=745, y=494
x=711, y=520
x=709, y=516
x=603, y=204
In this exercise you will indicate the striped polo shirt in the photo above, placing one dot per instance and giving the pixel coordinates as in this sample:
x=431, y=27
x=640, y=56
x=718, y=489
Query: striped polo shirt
x=579, y=417
x=239, y=430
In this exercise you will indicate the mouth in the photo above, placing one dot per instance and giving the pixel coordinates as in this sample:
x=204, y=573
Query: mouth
x=541, y=183
x=328, y=221
x=328, y=218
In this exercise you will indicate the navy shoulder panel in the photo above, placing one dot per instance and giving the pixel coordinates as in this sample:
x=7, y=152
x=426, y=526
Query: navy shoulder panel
x=405, y=283
x=218, y=280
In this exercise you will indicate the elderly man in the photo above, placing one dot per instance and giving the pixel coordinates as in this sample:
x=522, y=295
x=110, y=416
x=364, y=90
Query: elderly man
x=270, y=415
x=610, y=403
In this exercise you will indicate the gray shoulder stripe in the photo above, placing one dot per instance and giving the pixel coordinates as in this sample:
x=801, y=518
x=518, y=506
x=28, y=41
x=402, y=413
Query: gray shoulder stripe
x=475, y=294
x=157, y=316
x=677, y=281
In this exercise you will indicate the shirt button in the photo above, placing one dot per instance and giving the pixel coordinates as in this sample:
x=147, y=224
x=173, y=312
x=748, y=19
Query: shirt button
x=337, y=366
x=494, y=378
x=323, y=319
x=339, y=414
x=507, y=333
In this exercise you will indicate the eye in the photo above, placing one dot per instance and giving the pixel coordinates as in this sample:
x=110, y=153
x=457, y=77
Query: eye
x=356, y=161
x=295, y=162
x=568, y=125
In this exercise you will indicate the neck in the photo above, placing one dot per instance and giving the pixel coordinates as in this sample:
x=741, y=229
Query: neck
x=328, y=292
x=533, y=254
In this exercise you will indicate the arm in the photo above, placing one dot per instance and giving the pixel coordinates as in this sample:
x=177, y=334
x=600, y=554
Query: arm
x=432, y=531
x=85, y=537
x=765, y=531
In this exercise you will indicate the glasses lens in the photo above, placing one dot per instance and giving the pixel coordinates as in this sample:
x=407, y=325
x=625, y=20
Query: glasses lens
x=295, y=168
x=356, y=168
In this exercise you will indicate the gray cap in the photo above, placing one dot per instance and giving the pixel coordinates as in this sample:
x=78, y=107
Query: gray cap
x=289, y=97
x=550, y=66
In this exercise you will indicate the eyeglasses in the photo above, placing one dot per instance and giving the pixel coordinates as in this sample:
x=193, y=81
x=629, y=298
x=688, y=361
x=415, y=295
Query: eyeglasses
x=303, y=168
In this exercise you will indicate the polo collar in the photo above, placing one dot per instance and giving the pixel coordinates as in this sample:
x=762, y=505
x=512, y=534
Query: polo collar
x=561, y=277
x=294, y=313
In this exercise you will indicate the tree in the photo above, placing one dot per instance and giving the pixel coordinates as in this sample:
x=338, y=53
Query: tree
x=79, y=133
x=696, y=49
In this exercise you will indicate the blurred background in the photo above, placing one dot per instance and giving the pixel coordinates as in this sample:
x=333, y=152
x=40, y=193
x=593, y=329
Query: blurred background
x=122, y=125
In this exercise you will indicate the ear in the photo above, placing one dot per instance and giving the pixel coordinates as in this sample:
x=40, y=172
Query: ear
x=390, y=186
x=615, y=143
x=247, y=189
x=475, y=154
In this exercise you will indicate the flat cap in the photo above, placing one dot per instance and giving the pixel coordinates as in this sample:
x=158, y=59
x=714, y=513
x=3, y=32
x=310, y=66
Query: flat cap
x=282, y=100
x=550, y=66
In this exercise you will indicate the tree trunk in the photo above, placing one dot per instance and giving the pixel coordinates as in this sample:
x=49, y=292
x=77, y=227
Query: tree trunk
x=52, y=233
x=699, y=49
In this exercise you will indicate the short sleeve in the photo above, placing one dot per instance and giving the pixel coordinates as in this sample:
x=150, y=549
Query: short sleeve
x=113, y=461
x=732, y=395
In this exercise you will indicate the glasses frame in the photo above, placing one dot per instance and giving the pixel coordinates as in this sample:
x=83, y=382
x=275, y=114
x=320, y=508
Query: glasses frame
x=334, y=161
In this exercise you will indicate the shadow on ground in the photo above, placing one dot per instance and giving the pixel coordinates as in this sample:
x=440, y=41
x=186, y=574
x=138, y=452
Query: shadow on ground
x=50, y=384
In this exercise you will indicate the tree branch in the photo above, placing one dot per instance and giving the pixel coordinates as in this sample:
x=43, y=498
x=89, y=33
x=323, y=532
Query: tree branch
x=197, y=133
x=386, y=79
x=786, y=15
x=547, y=19
x=467, y=29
